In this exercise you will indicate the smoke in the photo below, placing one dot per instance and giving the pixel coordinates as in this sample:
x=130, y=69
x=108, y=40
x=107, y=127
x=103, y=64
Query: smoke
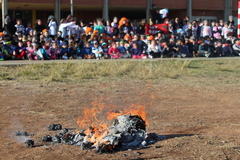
x=18, y=133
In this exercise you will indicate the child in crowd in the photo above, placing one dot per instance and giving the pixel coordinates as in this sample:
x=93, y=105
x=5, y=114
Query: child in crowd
x=135, y=51
x=114, y=52
x=204, y=49
x=53, y=51
x=105, y=50
x=87, y=51
x=30, y=51
x=20, y=30
x=97, y=50
x=123, y=50
x=64, y=51
x=20, y=51
x=78, y=54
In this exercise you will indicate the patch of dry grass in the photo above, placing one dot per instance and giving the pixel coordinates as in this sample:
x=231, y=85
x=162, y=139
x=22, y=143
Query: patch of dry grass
x=141, y=70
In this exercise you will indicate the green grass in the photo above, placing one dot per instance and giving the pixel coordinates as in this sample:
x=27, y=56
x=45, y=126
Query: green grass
x=139, y=70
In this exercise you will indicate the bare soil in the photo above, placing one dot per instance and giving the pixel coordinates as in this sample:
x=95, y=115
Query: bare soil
x=199, y=121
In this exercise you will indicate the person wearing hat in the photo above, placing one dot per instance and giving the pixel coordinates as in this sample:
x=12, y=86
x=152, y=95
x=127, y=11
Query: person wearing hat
x=231, y=22
x=64, y=51
x=20, y=50
x=105, y=50
x=9, y=47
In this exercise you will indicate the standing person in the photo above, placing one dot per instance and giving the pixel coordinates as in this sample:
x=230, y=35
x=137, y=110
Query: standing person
x=38, y=26
x=124, y=27
x=114, y=25
x=63, y=27
x=28, y=29
x=189, y=30
x=217, y=30
x=114, y=52
x=206, y=29
x=20, y=30
x=231, y=22
x=99, y=27
x=176, y=25
x=20, y=51
x=9, y=28
x=52, y=26
x=142, y=46
x=141, y=27
x=108, y=28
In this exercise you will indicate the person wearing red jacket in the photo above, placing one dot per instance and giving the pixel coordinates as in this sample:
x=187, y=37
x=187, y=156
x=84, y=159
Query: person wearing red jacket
x=114, y=52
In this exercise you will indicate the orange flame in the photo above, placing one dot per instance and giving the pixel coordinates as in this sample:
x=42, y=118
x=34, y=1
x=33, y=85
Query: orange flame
x=98, y=129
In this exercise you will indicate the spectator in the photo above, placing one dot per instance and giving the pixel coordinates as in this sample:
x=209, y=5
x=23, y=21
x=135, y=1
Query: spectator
x=97, y=50
x=204, y=49
x=206, y=29
x=20, y=30
x=99, y=27
x=87, y=51
x=114, y=52
x=20, y=51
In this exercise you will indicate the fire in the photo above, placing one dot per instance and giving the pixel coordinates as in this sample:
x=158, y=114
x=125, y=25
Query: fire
x=133, y=110
x=98, y=129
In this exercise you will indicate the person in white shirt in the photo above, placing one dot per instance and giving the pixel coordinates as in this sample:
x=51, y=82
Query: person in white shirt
x=206, y=29
x=52, y=27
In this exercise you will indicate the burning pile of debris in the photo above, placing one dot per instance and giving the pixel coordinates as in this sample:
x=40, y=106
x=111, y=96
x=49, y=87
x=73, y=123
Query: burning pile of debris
x=127, y=131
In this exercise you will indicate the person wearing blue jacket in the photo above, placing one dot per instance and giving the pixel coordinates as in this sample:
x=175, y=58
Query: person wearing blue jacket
x=87, y=51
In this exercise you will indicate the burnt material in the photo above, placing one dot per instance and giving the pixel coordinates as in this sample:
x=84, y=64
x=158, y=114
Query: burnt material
x=54, y=127
x=29, y=143
x=127, y=132
x=47, y=138
x=18, y=133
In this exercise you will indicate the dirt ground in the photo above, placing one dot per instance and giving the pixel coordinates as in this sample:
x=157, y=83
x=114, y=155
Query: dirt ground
x=199, y=121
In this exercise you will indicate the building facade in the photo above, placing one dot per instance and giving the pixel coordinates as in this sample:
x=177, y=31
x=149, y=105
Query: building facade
x=89, y=10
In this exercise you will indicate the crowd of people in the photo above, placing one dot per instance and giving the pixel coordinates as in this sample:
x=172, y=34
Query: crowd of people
x=119, y=38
